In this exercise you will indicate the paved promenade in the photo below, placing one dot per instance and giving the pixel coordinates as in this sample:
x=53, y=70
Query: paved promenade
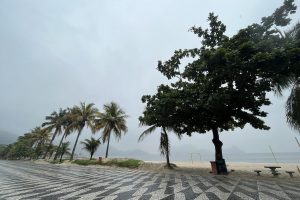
x=25, y=180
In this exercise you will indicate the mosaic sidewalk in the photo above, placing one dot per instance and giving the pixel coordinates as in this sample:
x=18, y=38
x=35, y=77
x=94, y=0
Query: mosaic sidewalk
x=25, y=180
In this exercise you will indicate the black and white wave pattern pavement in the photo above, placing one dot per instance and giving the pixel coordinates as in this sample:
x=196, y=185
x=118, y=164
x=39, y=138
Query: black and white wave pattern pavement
x=25, y=180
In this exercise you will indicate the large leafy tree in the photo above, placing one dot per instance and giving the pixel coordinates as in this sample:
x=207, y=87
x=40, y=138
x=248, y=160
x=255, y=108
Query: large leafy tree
x=91, y=145
x=113, y=120
x=225, y=84
x=157, y=114
x=55, y=123
x=81, y=116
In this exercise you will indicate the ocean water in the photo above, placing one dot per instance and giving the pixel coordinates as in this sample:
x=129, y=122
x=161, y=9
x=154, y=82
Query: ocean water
x=293, y=157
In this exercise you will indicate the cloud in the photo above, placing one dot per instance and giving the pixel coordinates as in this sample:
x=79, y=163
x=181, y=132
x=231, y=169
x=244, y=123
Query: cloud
x=57, y=53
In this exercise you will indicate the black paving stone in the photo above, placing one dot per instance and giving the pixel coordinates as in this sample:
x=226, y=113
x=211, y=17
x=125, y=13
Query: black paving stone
x=212, y=196
x=125, y=195
x=190, y=194
x=145, y=197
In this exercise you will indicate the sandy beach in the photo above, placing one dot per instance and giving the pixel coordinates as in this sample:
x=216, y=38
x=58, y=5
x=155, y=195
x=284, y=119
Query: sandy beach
x=237, y=169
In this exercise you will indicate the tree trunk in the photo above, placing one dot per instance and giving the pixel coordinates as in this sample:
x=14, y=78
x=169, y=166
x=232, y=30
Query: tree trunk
x=73, y=151
x=218, y=145
x=167, y=148
x=51, y=153
x=61, y=155
x=47, y=151
x=91, y=155
x=57, y=151
x=220, y=162
x=107, y=147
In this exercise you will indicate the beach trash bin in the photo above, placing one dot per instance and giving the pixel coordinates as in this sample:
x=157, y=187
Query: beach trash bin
x=214, y=168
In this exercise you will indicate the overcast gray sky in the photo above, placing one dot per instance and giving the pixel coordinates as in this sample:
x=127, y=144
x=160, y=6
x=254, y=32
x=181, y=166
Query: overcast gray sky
x=58, y=53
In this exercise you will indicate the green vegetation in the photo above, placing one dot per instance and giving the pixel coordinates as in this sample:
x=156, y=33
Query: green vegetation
x=130, y=163
x=91, y=145
x=83, y=115
x=156, y=116
x=112, y=120
x=217, y=87
x=224, y=85
x=54, y=122
x=63, y=149
x=39, y=142
x=293, y=102
x=86, y=162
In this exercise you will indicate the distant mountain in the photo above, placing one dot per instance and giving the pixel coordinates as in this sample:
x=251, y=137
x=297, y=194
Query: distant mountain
x=233, y=150
x=7, y=137
x=135, y=153
x=114, y=152
x=180, y=152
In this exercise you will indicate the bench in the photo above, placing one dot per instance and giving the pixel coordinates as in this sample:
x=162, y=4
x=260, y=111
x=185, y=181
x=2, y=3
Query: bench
x=258, y=172
x=273, y=170
x=275, y=174
x=290, y=173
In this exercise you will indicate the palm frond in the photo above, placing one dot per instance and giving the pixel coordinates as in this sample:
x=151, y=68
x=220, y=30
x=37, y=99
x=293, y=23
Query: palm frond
x=164, y=145
x=293, y=108
x=294, y=32
x=147, y=132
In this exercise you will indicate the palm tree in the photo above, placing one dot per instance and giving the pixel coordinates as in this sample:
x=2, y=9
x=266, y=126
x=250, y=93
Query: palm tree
x=82, y=115
x=51, y=149
x=64, y=149
x=164, y=145
x=54, y=122
x=292, y=107
x=112, y=120
x=91, y=145
x=293, y=103
x=27, y=137
x=67, y=127
x=40, y=137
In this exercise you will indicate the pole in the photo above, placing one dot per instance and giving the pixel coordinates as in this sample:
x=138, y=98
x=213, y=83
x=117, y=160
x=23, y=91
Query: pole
x=273, y=154
x=299, y=146
x=297, y=141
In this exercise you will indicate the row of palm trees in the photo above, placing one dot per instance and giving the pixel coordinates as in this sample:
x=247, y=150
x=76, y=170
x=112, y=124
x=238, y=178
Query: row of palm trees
x=64, y=122
x=75, y=119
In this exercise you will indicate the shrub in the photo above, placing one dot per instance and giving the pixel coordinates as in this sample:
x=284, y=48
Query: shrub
x=86, y=162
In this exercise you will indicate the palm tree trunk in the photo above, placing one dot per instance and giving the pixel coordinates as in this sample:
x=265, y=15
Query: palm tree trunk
x=91, y=155
x=167, y=148
x=107, y=146
x=47, y=151
x=50, y=154
x=57, y=151
x=73, y=151
x=61, y=155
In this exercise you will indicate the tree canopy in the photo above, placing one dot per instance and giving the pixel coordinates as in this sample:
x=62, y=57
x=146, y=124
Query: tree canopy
x=225, y=85
x=222, y=84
